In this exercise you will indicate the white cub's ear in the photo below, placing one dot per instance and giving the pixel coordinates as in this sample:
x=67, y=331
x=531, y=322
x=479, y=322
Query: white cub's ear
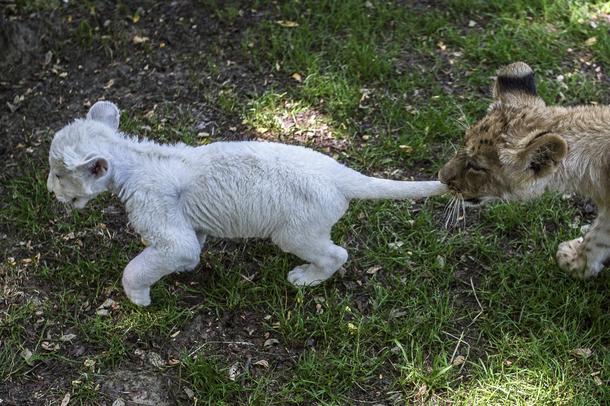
x=105, y=112
x=96, y=167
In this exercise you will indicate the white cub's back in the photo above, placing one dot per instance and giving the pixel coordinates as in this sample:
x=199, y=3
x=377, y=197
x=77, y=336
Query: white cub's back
x=177, y=195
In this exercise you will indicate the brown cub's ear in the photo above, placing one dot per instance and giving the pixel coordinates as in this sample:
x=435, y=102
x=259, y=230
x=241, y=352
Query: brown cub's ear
x=544, y=153
x=515, y=84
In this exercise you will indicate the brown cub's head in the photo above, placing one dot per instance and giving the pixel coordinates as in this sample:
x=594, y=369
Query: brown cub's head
x=511, y=152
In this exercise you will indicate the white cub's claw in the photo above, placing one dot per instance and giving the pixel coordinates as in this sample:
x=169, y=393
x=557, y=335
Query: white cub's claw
x=140, y=297
x=306, y=275
x=571, y=260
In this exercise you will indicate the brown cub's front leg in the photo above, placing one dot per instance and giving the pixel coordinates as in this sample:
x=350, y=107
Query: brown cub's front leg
x=584, y=258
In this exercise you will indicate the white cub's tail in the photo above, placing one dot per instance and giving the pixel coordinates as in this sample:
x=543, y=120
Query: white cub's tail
x=365, y=187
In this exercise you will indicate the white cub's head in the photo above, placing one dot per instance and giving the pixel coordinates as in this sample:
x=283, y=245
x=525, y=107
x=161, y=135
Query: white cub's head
x=78, y=169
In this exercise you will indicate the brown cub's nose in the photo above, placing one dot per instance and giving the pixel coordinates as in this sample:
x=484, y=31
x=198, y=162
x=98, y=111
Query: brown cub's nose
x=445, y=175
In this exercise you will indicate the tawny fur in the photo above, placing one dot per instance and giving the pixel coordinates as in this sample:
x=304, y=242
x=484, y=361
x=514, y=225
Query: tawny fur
x=523, y=148
x=176, y=195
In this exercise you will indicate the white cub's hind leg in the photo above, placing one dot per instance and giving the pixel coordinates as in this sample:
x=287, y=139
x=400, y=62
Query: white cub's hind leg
x=324, y=256
x=324, y=263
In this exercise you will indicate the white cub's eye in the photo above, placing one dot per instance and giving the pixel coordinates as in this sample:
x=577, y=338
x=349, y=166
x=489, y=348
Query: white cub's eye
x=57, y=176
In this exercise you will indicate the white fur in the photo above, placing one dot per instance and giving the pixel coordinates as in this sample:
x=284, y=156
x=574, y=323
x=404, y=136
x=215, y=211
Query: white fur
x=176, y=195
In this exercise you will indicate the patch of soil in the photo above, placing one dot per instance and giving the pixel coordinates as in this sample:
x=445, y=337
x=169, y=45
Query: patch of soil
x=136, y=387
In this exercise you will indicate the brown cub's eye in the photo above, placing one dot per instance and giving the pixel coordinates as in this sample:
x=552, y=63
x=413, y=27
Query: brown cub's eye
x=475, y=167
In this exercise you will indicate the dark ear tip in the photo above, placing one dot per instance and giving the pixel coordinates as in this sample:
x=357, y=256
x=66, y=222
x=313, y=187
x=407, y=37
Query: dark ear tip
x=516, y=77
x=516, y=70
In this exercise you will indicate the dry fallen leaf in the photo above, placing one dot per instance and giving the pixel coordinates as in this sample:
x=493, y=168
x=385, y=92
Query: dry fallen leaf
x=459, y=360
x=47, y=346
x=66, y=399
x=27, y=356
x=440, y=261
x=591, y=41
x=396, y=245
x=582, y=352
x=155, y=360
x=297, y=76
x=189, y=392
x=271, y=341
x=67, y=337
x=262, y=363
x=233, y=371
x=118, y=402
x=47, y=58
x=107, y=303
x=374, y=269
x=139, y=40
x=287, y=23
x=396, y=313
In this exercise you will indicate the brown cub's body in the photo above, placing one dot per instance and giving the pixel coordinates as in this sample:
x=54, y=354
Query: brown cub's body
x=522, y=148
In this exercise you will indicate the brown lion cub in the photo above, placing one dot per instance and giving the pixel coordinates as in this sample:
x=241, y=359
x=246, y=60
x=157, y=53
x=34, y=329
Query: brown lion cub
x=523, y=147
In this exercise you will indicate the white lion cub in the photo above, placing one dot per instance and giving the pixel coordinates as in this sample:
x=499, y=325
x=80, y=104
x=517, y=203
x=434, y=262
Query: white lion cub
x=176, y=195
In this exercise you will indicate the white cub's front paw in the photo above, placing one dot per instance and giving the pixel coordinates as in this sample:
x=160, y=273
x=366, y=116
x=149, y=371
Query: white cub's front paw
x=571, y=259
x=306, y=275
x=140, y=297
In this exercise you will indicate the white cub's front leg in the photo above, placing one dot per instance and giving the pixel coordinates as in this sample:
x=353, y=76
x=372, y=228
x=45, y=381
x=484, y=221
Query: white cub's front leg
x=584, y=258
x=155, y=262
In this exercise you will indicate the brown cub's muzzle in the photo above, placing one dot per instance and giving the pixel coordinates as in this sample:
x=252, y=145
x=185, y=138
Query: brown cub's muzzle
x=449, y=175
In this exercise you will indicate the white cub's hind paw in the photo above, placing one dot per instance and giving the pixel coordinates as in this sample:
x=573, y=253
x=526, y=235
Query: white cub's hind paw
x=306, y=275
x=571, y=259
x=140, y=297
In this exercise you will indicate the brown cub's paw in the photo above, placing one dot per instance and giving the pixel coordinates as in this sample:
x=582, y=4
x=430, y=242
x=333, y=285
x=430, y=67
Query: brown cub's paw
x=570, y=259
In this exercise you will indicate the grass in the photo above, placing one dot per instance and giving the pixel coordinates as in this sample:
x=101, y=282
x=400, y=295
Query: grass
x=480, y=315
